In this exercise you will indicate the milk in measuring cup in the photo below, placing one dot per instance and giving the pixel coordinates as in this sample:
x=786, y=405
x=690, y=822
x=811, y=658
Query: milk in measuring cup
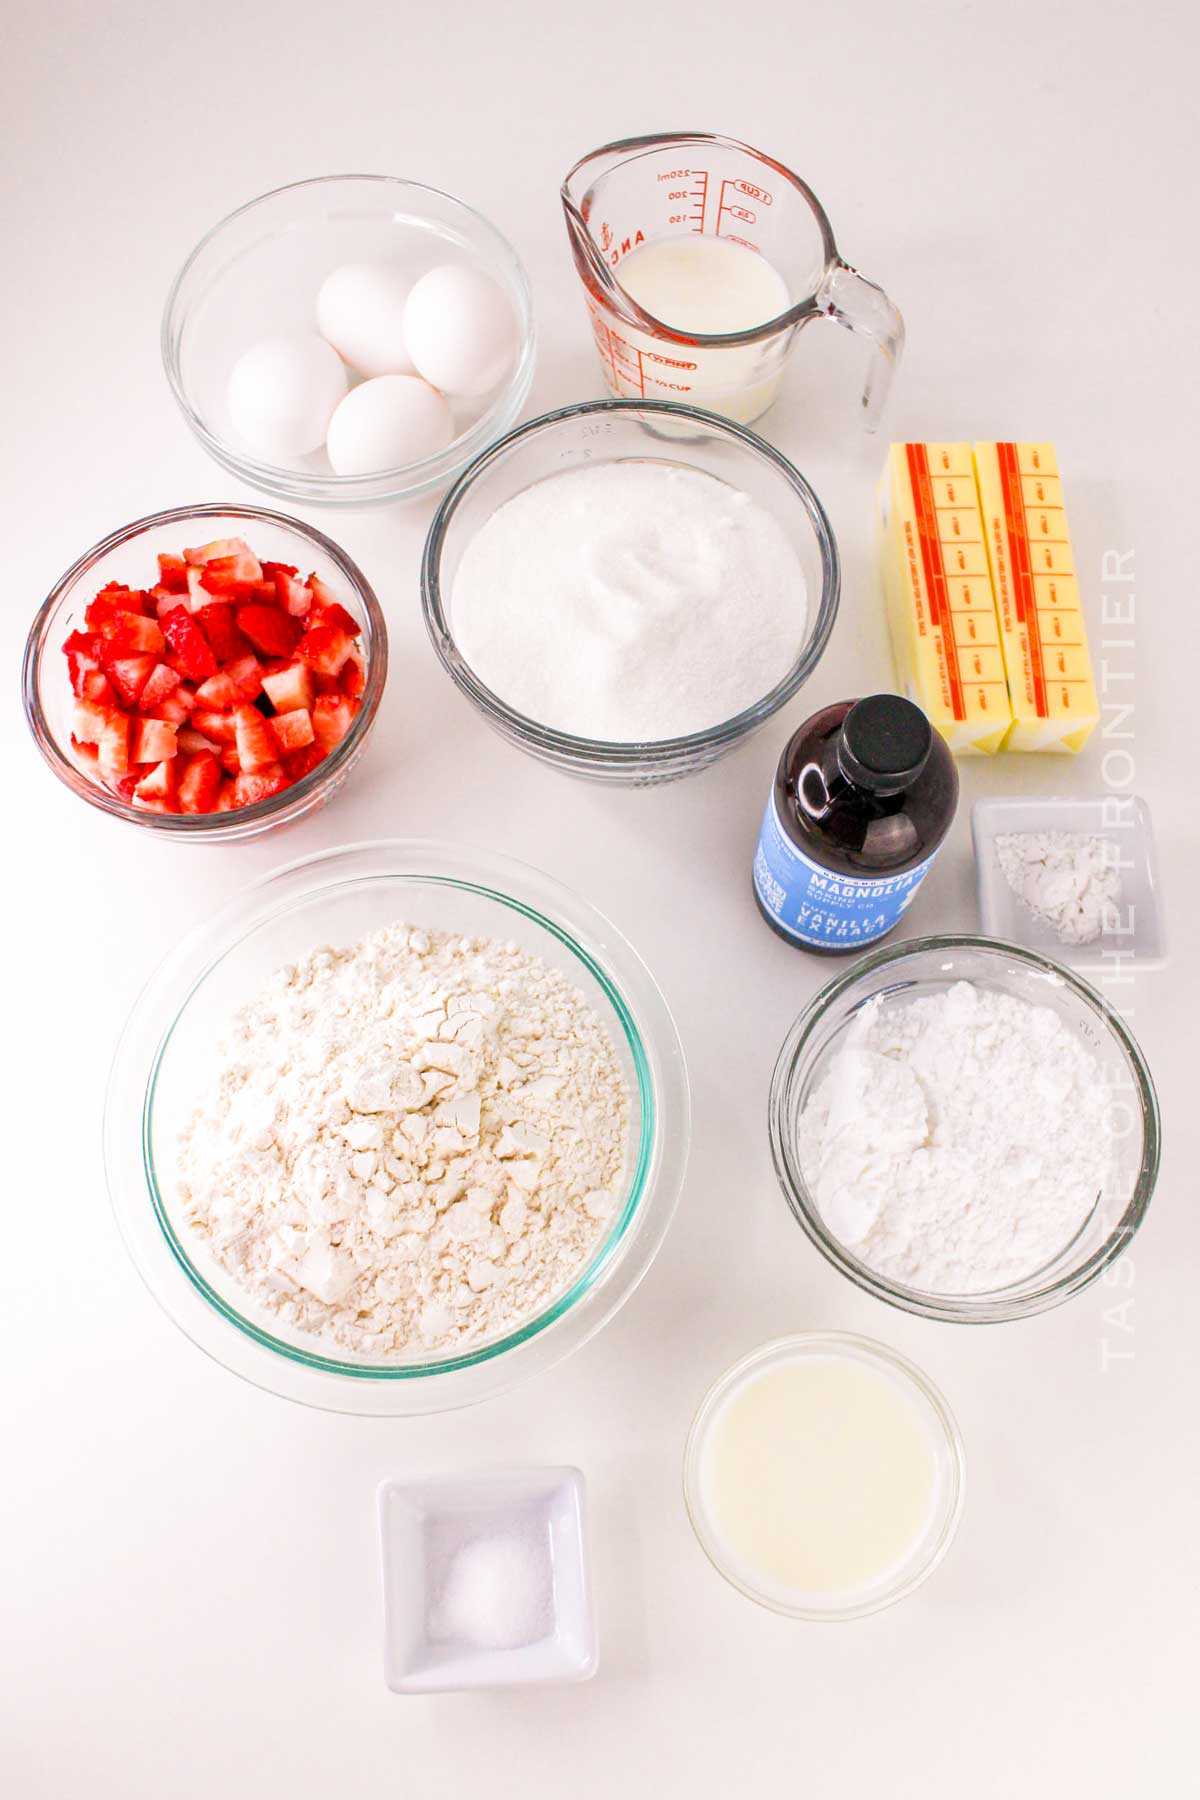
x=709, y=285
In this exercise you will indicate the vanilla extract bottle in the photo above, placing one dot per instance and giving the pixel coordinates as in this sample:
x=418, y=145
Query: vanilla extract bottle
x=864, y=795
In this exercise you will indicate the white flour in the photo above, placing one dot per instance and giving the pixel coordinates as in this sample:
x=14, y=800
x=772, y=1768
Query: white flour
x=1069, y=880
x=959, y=1141
x=414, y=1144
x=630, y=602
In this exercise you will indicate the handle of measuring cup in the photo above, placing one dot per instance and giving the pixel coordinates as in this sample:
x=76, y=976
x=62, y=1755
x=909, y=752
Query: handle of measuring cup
x=859, y=305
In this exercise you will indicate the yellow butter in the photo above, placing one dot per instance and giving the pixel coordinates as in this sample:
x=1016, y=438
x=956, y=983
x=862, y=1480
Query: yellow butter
x=941, y=612
x=1042, y=632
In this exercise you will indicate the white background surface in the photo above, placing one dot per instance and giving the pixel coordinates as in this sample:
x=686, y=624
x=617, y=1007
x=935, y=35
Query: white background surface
x=191, y=1591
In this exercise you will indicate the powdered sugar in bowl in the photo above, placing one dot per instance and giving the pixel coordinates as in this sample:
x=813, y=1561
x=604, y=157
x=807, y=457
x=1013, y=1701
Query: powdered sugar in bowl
x=953, y=1258
x=195, y=1225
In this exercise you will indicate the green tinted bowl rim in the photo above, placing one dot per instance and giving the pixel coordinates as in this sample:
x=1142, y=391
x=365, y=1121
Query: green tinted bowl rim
x=584, y=1283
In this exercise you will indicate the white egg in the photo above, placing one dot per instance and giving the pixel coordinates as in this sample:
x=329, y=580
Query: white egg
x=460, y=330
x=282, y=394
x=360, y=311
x=388, y=423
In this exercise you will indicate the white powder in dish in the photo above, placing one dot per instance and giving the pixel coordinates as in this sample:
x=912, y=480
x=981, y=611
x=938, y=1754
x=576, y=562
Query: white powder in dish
x=413, y=1145
x=958, y=1142
x=496, y=1593
x=1068, y=880
x=630, y=602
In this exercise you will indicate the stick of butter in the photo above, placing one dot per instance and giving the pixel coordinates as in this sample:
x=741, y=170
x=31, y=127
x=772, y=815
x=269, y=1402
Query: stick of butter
x=942, y=617
x=1046, y=657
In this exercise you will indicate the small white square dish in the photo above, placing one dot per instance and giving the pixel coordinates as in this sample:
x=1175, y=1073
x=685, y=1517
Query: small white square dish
x=1133, y=935
x=486, y=1581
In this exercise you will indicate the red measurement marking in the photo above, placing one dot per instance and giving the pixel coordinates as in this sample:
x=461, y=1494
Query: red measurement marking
x=935, y=573
x=699, y=194
x=1022, y=569
x=754, y=193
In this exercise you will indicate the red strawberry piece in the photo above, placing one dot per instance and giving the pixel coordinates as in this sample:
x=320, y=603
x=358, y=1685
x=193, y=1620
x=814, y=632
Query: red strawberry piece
x=127, y=785
x=325, y=649
x=219, y=626
x=246, y=675
x=172, y=574
x=190, y=645
x=153, y=741
x=174, y=709
x=156, y=791
x=82, y=651
x=292, y=730
x=132, y=634
x=161, y=684
x=291, y=689
x=89, y=722
x=225, y=799
x=293, y=595
x=226, y=574
x=335, y=615
x=129, y=675
x=299, y=763
x=94, y=685
x=191, y=741
x=249, y=789
x=271, y=569
x=218, y=726
x=256, y=746
x=114, y=746
x=219, y=547
x=269, y=628
x=353, y=678
x=332, y=716
x=220, y=693
x=166, y=600
x=230, y=761
x=105, y=607
x=326, y=684
x=199, y=783
x=197, y=594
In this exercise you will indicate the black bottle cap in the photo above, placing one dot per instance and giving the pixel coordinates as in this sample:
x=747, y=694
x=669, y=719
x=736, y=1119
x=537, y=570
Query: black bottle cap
x=885, y=743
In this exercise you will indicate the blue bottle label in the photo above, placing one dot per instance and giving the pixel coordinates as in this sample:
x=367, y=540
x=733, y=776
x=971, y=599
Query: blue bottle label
x=816, y=906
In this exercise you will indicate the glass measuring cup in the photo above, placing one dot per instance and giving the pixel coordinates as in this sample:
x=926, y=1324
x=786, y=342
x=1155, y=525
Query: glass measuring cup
x=644, y=189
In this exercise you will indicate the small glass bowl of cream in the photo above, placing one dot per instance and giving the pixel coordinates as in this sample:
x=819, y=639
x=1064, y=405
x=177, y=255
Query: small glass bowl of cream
x=824, y=1476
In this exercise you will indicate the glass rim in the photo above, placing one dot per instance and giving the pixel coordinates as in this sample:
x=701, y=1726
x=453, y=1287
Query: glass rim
x=860, y=1347
x=197, y=825
x=602, y=752
x=406, y=480
x=1020, y=1299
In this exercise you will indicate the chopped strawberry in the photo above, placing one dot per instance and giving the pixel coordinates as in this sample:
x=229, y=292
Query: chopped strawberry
x=269, y=629
x=299, y=763
x=271, y=569
x=197, y=594
x=218, y=726
x=333, y=614
x=332, y=717
x=153, y=741
x=95, y=686
x=231, y=762
x=325, y=649
x=132, y=634
x=199, y=783
x=256, y=746
x=190, y=645
x=172, y=574
x=353, y=678
x=110, y=601
x=225, y=799
x=248, y=789
x=114, y=746
x=128, y=674
x=219, y=626
x=220, y=693
x=88, y=722
x=246, y=674
x=191, y=741
x=226, y=574
x=156, y=791
x=292, y=730
x=82, y=651
x=166, y=600
x=294, y=596
x=162, y=682
x=291, y=689
x=326, y=684
x=206, y=553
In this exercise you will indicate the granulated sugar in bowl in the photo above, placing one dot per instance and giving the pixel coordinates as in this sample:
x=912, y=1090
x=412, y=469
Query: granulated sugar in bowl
x=398, y=1126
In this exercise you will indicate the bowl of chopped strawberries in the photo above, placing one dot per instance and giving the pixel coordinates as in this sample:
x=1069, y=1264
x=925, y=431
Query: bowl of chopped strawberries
x=212, y=671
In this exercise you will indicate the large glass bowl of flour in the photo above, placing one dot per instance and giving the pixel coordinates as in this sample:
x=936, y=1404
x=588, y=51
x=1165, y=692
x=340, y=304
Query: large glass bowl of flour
x=627, y=589
x=177, y=1040
x=936, y=1216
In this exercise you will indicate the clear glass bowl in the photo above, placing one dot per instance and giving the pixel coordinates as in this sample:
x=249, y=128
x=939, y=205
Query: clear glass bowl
x=920, y=966
x=613, y=431
x=166, y=1054
x=950, y=1475
x=128, y=555
x=258, y=272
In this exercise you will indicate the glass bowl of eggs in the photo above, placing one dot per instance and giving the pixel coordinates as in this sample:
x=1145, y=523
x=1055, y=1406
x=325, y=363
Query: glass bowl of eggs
x=350, y=340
